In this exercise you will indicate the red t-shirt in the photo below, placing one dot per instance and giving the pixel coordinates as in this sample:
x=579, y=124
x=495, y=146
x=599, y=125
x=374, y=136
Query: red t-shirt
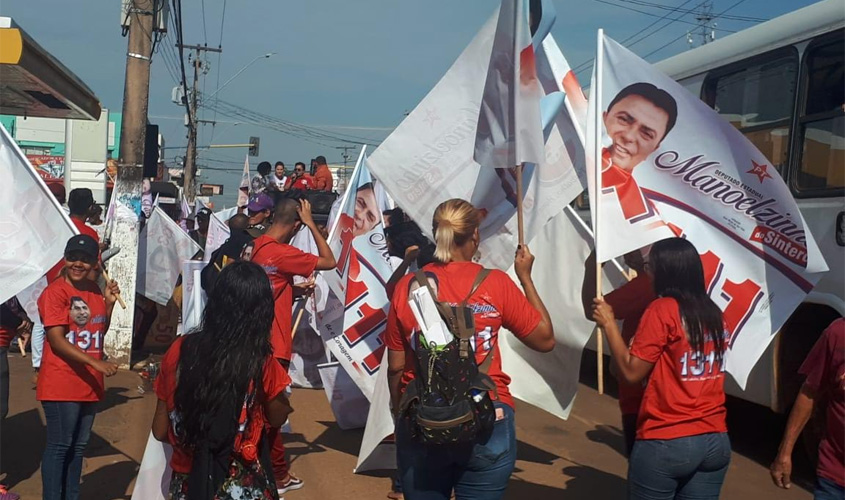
x=282, y=262
x=685, y=395
x=825, y=371
x=497, y=303
x=303, y=182
x=83, y=228
x=83, y=314
x=629, y=302
x=274, y=382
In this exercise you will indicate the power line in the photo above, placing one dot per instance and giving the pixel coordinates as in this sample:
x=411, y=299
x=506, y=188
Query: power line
x=219, y=70
x=668, y=7
x=655, y=15
x=717, y=16
x=204, y=31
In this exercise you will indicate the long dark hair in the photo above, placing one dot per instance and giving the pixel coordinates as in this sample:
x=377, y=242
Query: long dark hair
x=678, y=273
x=217, y=363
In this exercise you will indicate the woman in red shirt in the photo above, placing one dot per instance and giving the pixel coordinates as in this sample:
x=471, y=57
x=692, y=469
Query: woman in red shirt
x=479, y=469
x=682, y=448
x=218, y=388
x=76, y=316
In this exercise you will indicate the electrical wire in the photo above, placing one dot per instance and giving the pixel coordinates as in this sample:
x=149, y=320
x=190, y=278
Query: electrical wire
x=606, y=2
x=669, y=7
x=219, y=70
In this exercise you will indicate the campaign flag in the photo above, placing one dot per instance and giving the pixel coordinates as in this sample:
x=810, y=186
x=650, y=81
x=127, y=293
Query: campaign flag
x=509, y=130
x=378, y=448
x=162, y=248
x=226, y=214
x=218, y=233
x=193, y=296
x=428, y=158
x=33, y=227
x=154, y=473
x=185, y=213
x=355, y=314
x=243, y=190
x=550, y=380
x=348, y=404
x=670, y=165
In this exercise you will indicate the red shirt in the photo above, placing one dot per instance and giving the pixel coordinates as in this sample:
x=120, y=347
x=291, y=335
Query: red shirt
x=282, y=262
x=685, y=395
x=83, y=228
x=497, y=303
x=629, y=302
x=825, y=370
x=303, y=182
x=86, y=323
x=323, y=180
x=274, y=382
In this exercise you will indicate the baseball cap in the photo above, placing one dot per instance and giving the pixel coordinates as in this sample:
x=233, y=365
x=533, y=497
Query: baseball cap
x=260, y=202
x=84, y=244
x=204, y=213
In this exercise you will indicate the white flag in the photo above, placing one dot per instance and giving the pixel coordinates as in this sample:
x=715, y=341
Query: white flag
x=218, y=233
x=509, y=130
x=154, y=473
x=355, y=315
x=672, y=166
x=162, y=247
x=33, y=227
x=243, y=190
x=376, y=453
x=193, y=296
x=428, y=159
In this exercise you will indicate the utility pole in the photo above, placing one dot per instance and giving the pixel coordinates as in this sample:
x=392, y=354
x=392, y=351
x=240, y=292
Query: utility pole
x=123, y=267
x=190, y=173
x=344, y=175
x=706, y=29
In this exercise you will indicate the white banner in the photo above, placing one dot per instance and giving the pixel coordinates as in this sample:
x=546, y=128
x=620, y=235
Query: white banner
x=348, y=404
x=193, y=296
x=377, y=452
x=428, y=159
x=218, y=233
x=162, y=248
x=355, y=314
x=243, y=189
x=672, y=166
x=33, y=227
x=153, y=481
x=309, y=349
x=550, y=380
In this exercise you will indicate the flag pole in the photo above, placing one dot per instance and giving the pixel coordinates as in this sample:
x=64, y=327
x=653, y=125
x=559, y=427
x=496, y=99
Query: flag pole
x=519, y=218
x=598, y=164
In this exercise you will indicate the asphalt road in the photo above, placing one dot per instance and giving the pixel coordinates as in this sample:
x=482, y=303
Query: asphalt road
x=578, y=458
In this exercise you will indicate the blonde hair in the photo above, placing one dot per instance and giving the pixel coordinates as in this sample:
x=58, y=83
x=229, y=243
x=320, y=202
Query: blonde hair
x=453, y=224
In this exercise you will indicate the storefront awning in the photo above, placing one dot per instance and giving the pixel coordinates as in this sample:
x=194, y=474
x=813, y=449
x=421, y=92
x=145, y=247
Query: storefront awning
x=34, y=83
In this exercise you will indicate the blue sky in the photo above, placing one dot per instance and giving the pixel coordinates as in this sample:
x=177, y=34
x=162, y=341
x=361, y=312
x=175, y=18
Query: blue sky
x=353, y=66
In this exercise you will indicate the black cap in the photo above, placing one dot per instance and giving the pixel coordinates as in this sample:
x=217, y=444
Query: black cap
x=80, y=200
x=204, y=213
x=83, y=243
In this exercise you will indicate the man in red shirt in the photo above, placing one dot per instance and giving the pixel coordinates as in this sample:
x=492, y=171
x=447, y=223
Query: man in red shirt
x=282, y=262
x=80, y=202
x=629, y=302
x=323, y=180
x=825, y=371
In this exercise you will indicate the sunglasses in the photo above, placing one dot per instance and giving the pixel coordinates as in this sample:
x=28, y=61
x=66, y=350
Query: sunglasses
x=80, y=257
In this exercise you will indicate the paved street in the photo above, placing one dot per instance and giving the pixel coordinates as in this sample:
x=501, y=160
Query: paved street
x=578, y=458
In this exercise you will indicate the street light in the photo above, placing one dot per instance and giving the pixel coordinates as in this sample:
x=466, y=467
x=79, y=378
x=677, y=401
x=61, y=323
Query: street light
x=265, y=56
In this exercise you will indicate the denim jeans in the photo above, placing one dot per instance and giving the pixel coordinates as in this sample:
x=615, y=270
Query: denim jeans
x=68, y=430
x=478, y=471
x=686, y=468
x=37, y=342
x=828, y=490
x=4, y=382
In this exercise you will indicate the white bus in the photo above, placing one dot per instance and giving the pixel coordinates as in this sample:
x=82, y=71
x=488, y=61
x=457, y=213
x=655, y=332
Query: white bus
x=782, y=84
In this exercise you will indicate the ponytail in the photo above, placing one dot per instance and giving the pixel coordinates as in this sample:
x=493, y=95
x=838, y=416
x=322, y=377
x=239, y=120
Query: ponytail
x=454, y=223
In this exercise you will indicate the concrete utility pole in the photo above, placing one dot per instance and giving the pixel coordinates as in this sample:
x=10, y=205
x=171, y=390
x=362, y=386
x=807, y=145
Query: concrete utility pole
x=190, y=172
x=123, y=267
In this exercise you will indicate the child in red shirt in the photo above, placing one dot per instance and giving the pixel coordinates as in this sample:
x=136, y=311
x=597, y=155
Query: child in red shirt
x=478, y=469
x=224, y=371
x=76, y=316
x=682, y=446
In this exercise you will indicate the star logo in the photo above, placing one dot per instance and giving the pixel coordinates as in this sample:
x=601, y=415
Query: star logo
x=431, y=117
x=760, y=170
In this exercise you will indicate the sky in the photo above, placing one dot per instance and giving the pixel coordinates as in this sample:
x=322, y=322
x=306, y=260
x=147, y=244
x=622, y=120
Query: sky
x=349, y=68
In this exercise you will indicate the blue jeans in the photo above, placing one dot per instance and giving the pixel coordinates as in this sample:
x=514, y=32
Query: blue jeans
x=478, y=471
x=686, y=468
x=68, y=430
x=828, y=490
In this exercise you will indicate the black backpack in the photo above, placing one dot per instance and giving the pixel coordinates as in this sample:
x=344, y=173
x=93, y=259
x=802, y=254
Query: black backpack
x=448, y=399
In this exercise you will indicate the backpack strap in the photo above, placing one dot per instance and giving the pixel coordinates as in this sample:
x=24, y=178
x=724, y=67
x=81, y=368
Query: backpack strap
x=479, y=278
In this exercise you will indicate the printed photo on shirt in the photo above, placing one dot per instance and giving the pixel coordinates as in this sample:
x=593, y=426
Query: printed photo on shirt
x=80, y=313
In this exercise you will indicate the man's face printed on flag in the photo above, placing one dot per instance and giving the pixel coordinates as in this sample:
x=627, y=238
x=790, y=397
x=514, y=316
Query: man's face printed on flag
x=636, y=126
x=367, y=213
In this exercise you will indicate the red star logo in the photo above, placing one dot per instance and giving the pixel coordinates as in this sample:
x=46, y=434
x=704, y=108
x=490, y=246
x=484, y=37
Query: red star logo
x=760, y=170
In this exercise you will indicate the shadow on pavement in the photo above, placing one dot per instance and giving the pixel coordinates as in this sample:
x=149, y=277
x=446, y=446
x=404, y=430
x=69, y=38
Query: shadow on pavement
x=111, y=481
x=114, y=396
x=610, y=436
x=587, y=482
x=520, y=490
x=21, y=457
x=531, y=453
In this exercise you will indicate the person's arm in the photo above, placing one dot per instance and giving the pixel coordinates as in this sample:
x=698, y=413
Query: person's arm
x=161, y=422
x=542, y=338
x=632, y=369
x=781, y=468
x=71, y=353
x=277, y=410
x=326, y=258
x=395, y=367
x=110, y=294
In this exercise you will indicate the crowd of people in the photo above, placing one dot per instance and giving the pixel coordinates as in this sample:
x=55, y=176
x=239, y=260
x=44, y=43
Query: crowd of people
x=223, y=389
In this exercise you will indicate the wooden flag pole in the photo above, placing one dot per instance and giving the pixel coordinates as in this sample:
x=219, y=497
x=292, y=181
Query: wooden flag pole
x=298, y=319
x=119, y=298
x=519, y=218
x=597, y=163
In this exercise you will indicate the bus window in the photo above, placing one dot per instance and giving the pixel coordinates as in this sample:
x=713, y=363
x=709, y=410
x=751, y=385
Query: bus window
x=758, y=97
x=822, y=163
